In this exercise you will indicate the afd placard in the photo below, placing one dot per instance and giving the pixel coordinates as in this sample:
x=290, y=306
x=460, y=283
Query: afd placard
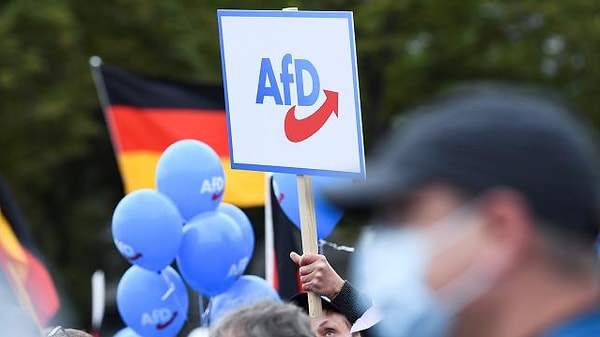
x=291, y=90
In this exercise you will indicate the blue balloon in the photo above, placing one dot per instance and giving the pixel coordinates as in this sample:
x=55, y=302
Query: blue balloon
x=241, y=219
x=327, y=215
x=247, y=290
x=146, y=228
x=191, y=174
x=126, y=332
x=152, y=304
x=212, y=254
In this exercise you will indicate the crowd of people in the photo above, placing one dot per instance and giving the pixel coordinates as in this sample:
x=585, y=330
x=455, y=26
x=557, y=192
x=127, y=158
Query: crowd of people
x=484, y=213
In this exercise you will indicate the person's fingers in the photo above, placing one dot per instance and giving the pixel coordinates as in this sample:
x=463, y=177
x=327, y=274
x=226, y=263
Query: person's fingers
x=316, y=278
x=310, y=262
x=295, y=257
x=310, y=287
x=305, y=270
x=314, y=286
x=308, y=258
x=312, y=268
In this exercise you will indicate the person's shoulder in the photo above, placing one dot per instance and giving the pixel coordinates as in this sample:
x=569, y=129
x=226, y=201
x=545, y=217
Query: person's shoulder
x=585, y=325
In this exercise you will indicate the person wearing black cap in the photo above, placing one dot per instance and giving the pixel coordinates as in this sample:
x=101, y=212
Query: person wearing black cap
x=318, y=276
x=333, y=323
x=485, y=213
x=343, y=304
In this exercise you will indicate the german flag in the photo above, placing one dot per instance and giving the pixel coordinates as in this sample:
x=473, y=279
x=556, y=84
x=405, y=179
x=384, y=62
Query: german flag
x=145, y=115
x=24, y=280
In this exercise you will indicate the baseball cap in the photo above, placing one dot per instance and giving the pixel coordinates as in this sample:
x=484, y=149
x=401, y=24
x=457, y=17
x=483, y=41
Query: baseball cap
x=363, y=324
x=481, y=137
x=301, y=300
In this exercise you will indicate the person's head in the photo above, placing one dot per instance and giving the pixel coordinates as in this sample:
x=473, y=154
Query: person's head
x=263, y=319
x=496, y=192
x=59, y=331
x=331, y=324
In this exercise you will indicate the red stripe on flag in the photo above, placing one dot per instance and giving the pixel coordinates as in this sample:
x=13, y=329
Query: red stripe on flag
x=275, y=271
x=154, y=129
x=40, y=288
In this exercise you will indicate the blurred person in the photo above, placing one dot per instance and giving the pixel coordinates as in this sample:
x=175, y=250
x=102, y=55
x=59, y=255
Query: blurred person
x=484, y=209
x=263, y=319
x=342, y=300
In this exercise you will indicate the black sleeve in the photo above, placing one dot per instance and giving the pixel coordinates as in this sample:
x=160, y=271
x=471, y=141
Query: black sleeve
x=351, y=302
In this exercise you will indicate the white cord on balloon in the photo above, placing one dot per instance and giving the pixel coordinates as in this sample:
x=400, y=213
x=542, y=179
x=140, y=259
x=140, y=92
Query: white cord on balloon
x=333, y=245
x=169, y=292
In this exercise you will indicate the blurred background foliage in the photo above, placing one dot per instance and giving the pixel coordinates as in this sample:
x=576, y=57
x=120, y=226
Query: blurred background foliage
x=55, y=150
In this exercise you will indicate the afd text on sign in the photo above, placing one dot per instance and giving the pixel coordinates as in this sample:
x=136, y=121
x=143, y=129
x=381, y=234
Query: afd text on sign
x=291, y=90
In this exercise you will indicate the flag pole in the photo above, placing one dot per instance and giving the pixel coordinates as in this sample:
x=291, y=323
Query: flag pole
x=98, y=78
x=95, y=64
x=269, y=236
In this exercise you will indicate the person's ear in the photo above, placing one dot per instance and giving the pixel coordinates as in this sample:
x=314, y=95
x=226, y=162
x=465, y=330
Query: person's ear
x=509, y=228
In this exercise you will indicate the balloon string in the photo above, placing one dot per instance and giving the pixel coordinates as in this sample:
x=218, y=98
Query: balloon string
x=333, y=245
x=169, y=292
x=202, y=311
x=206, y=316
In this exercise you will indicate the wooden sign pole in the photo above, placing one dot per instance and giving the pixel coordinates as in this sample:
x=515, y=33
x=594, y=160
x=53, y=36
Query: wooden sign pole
x=308, y=226
x=309, y=233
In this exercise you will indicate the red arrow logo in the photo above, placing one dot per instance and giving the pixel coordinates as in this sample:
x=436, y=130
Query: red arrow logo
x=134, y=257
x=161, y=326
x=216, y=196
x=298, y=130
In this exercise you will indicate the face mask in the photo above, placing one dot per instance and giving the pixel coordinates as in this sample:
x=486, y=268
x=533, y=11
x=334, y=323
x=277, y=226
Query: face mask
x=391, y=266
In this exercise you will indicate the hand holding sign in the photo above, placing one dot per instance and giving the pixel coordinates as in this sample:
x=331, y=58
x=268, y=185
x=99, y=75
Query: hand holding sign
x=275, y=128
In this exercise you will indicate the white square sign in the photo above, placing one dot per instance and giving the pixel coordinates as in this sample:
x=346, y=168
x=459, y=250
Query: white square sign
x=291, y=90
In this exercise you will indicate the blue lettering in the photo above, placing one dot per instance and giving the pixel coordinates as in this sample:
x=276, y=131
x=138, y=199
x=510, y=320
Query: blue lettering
x=286, y=78
x=266, y=73
x=311, y=98
x=269, y=87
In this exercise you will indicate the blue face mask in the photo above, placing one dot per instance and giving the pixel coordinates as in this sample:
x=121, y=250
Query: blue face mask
x=391, y=266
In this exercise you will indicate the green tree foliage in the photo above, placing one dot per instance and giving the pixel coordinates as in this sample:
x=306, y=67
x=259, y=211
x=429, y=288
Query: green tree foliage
x=55, y=150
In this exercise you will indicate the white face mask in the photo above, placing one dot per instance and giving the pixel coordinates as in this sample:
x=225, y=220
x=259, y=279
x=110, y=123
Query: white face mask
x=391, y=266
